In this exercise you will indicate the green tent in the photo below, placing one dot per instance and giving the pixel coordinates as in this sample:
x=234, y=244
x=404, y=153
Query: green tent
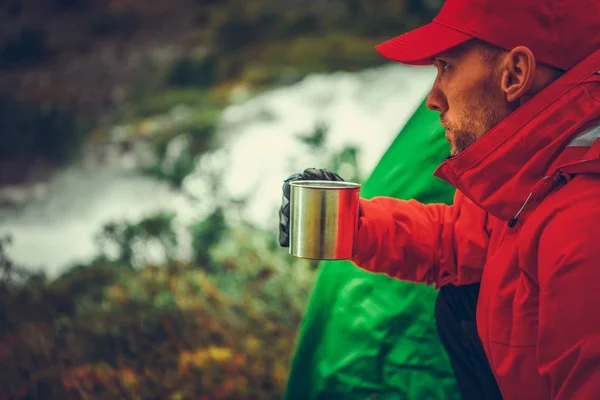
x=365, y=335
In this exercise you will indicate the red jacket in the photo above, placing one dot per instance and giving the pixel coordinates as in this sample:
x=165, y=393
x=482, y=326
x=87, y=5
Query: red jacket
x=526, y=224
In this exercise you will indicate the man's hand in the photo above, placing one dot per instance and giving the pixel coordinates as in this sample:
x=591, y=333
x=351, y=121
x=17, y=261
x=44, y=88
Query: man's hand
x=309, y=174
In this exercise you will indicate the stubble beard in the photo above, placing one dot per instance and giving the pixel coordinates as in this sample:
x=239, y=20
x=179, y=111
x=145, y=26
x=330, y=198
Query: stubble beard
x=477, y=119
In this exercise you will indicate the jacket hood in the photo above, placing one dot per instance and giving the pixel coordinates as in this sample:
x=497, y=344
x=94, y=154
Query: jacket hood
x=555, y=132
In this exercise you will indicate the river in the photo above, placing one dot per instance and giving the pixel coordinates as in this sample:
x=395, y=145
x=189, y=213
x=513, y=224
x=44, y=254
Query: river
x=259, y=149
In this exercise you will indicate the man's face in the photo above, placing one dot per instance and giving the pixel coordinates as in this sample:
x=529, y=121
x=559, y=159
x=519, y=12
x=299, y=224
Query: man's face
x=467, y=93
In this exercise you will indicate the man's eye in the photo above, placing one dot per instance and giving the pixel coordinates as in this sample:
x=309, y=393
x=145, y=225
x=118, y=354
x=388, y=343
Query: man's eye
x=442, y=65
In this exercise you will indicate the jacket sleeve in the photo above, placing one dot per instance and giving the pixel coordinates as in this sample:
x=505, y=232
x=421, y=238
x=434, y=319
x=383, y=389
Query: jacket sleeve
x=433, y=244
x=569, y=317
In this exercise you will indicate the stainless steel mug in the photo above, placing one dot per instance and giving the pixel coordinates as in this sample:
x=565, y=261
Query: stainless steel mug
x=323, y=219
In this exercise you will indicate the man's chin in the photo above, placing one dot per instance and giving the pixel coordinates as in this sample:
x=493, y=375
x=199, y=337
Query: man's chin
x=453, y=148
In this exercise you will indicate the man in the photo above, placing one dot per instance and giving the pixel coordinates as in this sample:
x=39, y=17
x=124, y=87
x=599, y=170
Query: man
x=518, y=90
x=364, y=335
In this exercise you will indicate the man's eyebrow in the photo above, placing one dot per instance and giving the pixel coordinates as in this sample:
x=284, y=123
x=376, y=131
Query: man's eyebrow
x=439, y=57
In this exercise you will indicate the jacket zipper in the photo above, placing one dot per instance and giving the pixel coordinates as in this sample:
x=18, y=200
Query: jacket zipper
x=559, y=177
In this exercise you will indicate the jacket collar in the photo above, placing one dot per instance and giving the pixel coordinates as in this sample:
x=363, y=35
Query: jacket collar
x=499, y=171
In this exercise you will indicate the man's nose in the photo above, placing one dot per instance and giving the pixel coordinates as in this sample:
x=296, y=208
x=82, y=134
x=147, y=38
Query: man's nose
x=435, y=100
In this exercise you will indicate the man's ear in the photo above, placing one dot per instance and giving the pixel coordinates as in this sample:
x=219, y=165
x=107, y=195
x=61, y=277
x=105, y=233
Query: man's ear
x=518, y=73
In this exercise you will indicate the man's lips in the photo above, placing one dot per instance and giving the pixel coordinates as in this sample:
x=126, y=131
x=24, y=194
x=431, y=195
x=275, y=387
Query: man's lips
x=444, y=124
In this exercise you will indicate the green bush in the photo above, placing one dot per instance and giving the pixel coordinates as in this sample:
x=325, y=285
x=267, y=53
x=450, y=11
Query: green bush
x=175, y=169
x=207, y=234
x=242, y=28
x=316, y=139
x=385, y=18
x=323, y=53
x=124, y=236
x=345, y=162
x=194, y=135
x=236, y=32
x=304, y=23
x=192, y=72
x=163, y=100
x=28, y=130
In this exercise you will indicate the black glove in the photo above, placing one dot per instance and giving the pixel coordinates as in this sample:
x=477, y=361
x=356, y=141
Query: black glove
x=309, y=174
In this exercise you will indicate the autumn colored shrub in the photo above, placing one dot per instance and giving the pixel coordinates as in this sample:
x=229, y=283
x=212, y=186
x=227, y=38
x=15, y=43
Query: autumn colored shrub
x=106, y=330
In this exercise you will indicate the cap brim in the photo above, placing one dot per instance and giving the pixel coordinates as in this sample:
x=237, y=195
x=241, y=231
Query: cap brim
x=419, y=46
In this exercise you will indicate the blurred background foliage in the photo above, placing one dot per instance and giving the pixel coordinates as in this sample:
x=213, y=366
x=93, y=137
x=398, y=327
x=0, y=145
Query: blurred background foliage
x=142, y=58
x=77, y=73
x=107, y=330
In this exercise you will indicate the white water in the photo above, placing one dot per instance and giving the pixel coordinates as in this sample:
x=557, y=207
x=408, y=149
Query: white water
x=365, y=109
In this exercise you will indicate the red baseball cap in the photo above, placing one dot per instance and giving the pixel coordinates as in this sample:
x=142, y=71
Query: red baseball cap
x=560, y=33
